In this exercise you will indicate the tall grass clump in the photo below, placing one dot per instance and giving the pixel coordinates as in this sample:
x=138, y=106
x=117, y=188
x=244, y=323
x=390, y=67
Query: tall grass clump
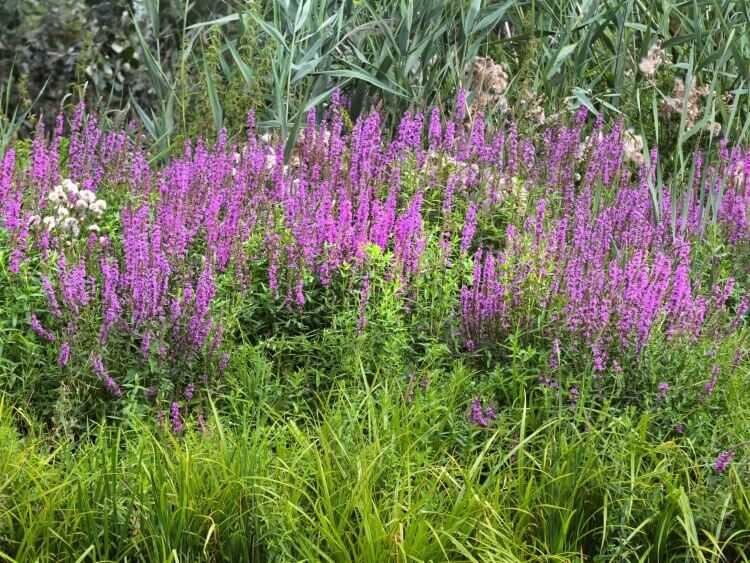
x=381, y=473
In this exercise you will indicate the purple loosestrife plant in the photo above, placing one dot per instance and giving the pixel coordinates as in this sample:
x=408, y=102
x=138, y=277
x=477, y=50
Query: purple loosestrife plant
x=470, y=227
x=64, y=355
x=587, y=252
x=101, y=372
x=722, y=461
x=481, y=416
x=617, y=272
x=40, y=330
x=176, y=418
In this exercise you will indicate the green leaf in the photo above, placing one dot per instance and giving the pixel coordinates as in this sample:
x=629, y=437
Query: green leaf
x=562, y=54
x=219, y=21
x=270, y=30
x=493, y=18
x=357, y=73
x=213, y=98
x=245, y=70
x=471, y=16
x=303, y=69
x=303, y=12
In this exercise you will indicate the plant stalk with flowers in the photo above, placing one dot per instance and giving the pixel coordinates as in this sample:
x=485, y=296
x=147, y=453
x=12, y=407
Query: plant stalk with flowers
x=560, y=238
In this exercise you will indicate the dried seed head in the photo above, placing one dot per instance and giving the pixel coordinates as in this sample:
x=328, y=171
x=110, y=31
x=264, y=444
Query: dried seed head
x=652, y=61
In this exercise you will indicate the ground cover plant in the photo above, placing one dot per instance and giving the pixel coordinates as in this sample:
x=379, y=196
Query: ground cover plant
x=470, y=282
x=455, y=343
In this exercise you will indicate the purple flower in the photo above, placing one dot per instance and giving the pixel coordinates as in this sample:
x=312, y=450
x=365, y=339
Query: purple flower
x=176, y=418
x=490, y=413
x=101, y=372
x=42, y=332
x=470, y=227
x=223, y=362
x=460, y=110
x=548, y=382
x=64, y=356
x=679, y=428
x=189, y=391
x=710, y=385
x=663, y=390
x=111, y=386
x=722, y=461
x=146, y=345
x=479, y=416
x=554, y=359
x=436, y=129
x=49, y=292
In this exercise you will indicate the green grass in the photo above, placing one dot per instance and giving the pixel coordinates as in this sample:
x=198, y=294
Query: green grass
x=388, y=472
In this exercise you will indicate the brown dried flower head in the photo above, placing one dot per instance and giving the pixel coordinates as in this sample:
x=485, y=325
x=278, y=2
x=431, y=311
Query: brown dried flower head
x=652, y=61
x=688, y=99
x=491, y=81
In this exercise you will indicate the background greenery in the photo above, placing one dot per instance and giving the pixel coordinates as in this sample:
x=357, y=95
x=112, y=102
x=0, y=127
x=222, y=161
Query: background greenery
x=189, y=66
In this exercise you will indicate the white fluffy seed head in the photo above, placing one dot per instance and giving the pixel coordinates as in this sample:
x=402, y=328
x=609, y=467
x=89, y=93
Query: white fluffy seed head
x=70, y=186
x=87, y=195
x=56, y=195
x=98, y=207
x=49, y=222
x=69, y=222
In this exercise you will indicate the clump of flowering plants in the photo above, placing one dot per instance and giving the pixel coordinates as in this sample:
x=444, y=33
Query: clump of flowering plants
x=607, y=271
x=478, y=235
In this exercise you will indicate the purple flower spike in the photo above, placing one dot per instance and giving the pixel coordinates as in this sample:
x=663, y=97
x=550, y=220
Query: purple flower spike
x=710, y=385
x=224, y=362
x=64, y=357
x=42, y=332
x=176, y=418
x=722, y=461
x=479, y=416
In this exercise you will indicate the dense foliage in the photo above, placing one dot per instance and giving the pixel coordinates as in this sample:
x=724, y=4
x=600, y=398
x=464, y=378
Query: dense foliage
x=550, y=277
x=182, y=68
x=471, y=282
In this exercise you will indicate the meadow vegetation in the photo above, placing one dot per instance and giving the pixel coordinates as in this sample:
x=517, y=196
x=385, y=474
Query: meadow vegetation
x=386, y=281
